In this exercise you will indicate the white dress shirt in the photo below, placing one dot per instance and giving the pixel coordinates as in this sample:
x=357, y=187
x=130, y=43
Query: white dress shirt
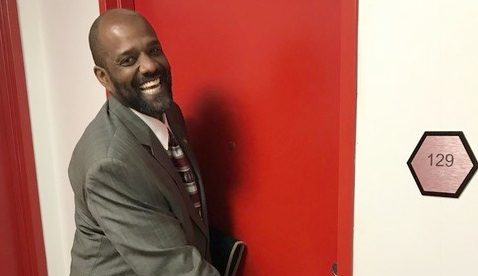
x=159, y=128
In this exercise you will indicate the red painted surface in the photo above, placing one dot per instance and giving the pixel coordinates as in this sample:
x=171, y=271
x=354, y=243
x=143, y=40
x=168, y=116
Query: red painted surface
x=268, y=89
x=21, y=238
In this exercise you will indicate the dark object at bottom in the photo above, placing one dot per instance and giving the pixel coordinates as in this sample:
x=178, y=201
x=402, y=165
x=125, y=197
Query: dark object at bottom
x=226, y=252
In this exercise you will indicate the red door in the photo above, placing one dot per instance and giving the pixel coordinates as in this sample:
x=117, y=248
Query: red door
x=261, y=85
x=21, y=239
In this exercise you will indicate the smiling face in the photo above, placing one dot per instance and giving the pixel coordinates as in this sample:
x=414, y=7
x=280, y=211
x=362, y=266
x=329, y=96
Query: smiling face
x=134, y=67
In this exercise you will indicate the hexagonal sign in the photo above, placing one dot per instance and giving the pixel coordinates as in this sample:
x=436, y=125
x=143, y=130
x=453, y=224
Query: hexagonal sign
x=442, y=163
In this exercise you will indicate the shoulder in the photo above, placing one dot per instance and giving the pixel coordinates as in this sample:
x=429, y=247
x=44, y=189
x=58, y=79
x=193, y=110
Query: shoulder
x=98, y=134
x=105, y=137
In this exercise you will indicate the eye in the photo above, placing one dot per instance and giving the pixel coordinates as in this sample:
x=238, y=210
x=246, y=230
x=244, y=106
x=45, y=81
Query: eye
x=127, y=61
x=156, y=51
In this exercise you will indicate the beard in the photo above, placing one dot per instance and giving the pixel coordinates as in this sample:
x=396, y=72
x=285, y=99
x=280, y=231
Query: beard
x=152, y=105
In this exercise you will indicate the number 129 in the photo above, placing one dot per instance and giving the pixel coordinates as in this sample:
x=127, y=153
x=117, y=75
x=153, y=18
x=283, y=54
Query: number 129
x=441, y=160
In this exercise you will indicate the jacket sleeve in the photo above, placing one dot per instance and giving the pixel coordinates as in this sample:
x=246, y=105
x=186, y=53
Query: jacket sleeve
x=148, y=236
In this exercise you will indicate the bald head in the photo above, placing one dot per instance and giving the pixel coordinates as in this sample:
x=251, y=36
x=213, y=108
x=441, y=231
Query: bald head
x=103, y=24
x=130, y=62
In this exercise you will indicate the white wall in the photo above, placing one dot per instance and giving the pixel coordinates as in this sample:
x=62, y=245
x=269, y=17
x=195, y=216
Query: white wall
x=417, y=71
x=63, y=96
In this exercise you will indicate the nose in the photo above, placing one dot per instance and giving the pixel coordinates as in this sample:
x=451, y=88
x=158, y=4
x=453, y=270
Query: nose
x=147, y=64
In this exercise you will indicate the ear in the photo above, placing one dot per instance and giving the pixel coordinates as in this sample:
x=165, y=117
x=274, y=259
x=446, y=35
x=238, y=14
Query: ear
x=103, y=78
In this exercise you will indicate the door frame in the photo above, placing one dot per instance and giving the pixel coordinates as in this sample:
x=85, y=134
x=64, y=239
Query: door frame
x=347, y=135
x=347, y=126
x=19, y=149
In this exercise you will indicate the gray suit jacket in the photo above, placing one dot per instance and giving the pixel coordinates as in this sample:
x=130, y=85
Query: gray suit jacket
x=133, y=215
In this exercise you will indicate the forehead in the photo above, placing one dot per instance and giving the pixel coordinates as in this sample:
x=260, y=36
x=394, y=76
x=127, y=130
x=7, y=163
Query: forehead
x=125, y=34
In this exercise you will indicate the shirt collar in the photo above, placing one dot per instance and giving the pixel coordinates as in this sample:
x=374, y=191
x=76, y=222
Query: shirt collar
x=159, y=128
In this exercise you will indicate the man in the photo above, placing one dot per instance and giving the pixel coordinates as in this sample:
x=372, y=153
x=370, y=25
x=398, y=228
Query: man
x=139, y=203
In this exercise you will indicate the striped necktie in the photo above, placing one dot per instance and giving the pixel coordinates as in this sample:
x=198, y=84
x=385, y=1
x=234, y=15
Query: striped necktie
x=181, y=163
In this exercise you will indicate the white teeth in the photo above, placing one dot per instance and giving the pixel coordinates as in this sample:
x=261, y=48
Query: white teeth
x=151, y=91
x=149, y=85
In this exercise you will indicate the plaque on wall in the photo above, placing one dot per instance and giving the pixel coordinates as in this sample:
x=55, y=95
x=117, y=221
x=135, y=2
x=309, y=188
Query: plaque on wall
x=442, y=163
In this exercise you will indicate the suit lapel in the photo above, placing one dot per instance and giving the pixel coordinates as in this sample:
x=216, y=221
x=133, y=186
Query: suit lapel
x=179, y=134
x=161, y=156
x=146, y=137
x=176, y=123
x=201, y=222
